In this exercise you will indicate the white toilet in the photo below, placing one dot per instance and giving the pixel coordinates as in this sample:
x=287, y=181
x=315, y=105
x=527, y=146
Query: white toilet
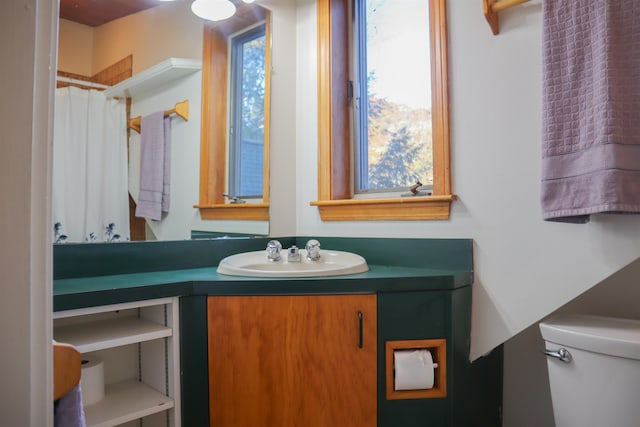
x=594, y=370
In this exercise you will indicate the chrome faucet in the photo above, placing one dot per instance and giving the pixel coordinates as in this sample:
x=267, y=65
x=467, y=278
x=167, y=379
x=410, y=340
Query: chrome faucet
x=293, y=254
x=273, y=250
x=313, y=250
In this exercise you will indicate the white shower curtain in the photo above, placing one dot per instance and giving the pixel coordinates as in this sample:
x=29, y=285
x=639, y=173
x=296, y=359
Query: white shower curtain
x=90, y=185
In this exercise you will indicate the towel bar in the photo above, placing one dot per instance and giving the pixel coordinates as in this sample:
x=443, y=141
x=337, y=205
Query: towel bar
x=181, y=110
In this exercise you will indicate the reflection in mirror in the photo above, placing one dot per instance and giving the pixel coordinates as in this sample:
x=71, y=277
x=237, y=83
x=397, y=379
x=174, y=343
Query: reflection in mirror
x=246, y=115
x=93, y=51
x=234, y=162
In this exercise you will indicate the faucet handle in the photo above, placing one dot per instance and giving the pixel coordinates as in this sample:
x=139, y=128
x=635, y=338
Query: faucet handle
x=273, y=250
x=313, y=250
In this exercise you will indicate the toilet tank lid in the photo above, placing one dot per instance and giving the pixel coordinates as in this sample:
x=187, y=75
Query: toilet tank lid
x=606, y=335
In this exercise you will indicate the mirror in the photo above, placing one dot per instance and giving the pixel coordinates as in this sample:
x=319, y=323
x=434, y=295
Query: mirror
x=235, y=135
x=150, y=36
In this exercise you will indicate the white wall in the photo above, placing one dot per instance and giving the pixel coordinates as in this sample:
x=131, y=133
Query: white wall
x=27, y=47
x=284, y=179
x=74, y=55
x=165, y=31
x=524, y=268
x=152, y=35
x=185, y=152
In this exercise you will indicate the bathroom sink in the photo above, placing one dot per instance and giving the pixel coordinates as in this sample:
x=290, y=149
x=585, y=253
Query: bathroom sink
x=256, y=264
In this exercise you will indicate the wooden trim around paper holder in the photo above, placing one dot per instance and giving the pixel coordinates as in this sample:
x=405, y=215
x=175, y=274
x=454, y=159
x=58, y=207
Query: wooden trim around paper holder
x=438, y=349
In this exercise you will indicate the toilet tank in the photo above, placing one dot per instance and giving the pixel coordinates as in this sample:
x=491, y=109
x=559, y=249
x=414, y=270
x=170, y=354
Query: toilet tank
x=600, y=385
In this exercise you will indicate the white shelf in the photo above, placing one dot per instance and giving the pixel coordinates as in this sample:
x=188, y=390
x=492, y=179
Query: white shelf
x=155, y=77
x=125, y=401
x=102, y=334
x=140, y=380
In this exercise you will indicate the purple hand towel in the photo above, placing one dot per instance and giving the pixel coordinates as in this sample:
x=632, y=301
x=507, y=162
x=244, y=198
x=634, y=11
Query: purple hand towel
x=155, y=166
x=591, y=101
x=68, y=411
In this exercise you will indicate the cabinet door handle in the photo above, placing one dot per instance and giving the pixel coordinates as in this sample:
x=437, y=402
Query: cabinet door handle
x=361, y=338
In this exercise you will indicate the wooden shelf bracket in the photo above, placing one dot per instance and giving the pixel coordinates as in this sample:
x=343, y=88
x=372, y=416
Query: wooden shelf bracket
x=491, y=9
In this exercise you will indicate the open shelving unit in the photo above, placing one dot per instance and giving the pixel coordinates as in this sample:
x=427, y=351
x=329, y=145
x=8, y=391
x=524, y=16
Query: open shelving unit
x=138, y=343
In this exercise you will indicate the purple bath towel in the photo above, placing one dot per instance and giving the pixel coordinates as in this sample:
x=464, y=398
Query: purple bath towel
x=155, y=166
x=591, y=117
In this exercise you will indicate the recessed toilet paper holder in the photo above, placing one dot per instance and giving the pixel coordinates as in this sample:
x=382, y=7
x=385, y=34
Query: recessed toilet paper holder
x=438, y=350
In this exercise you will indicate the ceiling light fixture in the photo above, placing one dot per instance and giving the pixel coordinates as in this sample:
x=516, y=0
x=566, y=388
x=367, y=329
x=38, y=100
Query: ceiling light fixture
x=213, y=10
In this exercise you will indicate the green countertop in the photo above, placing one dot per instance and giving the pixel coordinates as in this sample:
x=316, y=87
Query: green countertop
x=91, y=275
x=90, y=291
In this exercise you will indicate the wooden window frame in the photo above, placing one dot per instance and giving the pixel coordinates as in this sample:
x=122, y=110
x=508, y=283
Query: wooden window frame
x=335, y=170
x=213, y=131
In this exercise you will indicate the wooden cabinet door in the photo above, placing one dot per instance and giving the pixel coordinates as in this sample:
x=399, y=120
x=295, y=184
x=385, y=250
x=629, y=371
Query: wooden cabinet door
x=292, y=361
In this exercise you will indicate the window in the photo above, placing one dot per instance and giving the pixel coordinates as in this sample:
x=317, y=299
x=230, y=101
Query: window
x=234, y=147
x=377, y=140
x=246, y=132
x=392, y=102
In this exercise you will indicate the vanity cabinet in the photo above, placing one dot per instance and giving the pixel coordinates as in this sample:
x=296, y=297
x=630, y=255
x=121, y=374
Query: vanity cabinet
x=284, y=361
x=289, y=361
x=278, y=353
x=138, y=345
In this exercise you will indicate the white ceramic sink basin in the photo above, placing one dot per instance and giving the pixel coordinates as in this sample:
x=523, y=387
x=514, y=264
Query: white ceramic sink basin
x=256, y=264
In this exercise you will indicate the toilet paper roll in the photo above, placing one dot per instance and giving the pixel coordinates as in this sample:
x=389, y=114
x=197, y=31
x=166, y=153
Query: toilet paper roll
x=414, y=369
x=92, y=380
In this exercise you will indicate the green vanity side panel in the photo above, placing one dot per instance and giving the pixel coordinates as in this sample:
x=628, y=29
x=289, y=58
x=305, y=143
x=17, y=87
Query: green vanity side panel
x=194, y=365
x=478, y=385
x=473, y=391
x=410, y=316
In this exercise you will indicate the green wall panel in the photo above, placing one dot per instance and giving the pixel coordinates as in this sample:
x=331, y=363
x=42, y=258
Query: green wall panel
x=194, y=365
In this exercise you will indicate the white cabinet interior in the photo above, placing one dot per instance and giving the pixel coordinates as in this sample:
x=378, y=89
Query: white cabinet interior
x=138, y=343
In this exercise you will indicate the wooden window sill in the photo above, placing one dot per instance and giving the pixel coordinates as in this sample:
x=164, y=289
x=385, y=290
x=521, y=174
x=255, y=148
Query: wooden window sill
x=236, y=211
x=396, y=209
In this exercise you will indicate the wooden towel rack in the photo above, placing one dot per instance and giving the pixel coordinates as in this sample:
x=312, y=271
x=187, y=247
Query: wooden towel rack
x=491, y=9
x=181, y=110
x=67, y=365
